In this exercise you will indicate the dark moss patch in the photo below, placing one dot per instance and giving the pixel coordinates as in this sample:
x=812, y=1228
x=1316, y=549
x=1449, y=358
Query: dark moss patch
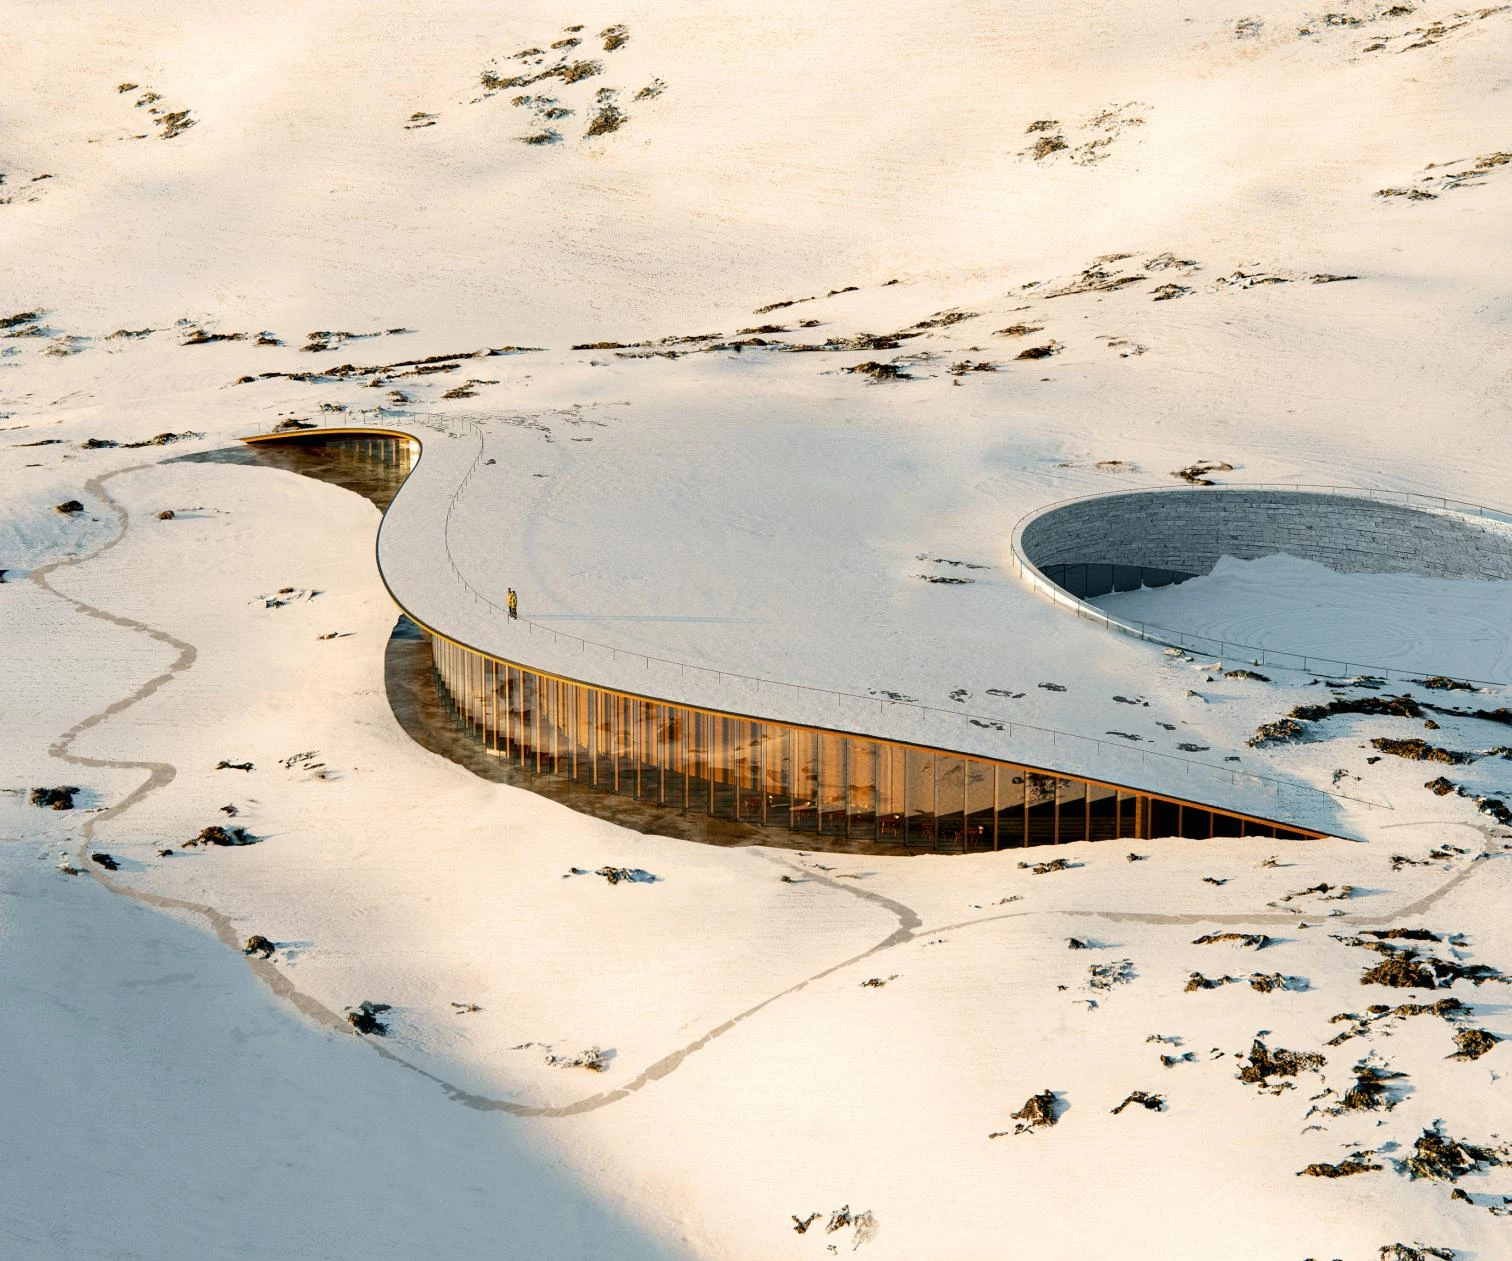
x=60, y=798
x=1344, y=1169
x=1152, y=1102
x=1418, y=750
x=1440, y=1158
x=1039, y=1112
x=1473, y=1043
x=1265, y=1064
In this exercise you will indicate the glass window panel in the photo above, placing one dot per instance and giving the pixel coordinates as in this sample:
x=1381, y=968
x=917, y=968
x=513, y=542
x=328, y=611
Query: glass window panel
x=1163, y=818
x=1102, y=811
x=1072, y=797
x=1039, y=808
x=1010, y=807
x=861, y=806
x=834, y=783
x=918, y=798
x=950, y=801
x=1227, y=825
x=1196, y=823
x=979, y=804
x=890, y=794
x=805, y=790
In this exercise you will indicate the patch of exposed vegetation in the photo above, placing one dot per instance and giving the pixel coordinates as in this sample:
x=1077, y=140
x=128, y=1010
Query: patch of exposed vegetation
x=1361, y=1026
x=60, y=798
x=1344, y=1169
x=594, y=1059
x=1415, y=1252
x=1438, y=178
x=1152, y=1102
x=607, y=118
x=1104, y=976
x=1255, y=941
x=364, y=1018
x=1045, y=869
x=1472, y=1043
x=879, y=371
x=1197, y=474
x=1418, y=750
x=1039, y=1112
x=1440, y=1158
x=1265, y=1064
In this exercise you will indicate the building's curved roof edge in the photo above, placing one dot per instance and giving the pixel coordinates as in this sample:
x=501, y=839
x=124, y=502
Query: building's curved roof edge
x=411, y=605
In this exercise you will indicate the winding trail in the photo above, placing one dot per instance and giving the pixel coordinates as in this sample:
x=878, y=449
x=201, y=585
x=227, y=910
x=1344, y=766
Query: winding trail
x=159, y=774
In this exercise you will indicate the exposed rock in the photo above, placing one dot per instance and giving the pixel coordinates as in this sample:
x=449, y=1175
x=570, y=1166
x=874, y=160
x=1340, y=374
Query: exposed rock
x=1044, y=869
x=166, y=515
x=1265, y=1064
x=632, y=875
x=217, y=835
x=1344, y=1169
x=1370, y=1091
x=1443, y=1159
x=257, y=944
x=364, y=1018
x=105, y=861
x=1418, y=750
x=1039, y=1112
x=233, y=766
x=1473, y=1043
x=879, y=371
x=1197, y=474
x=69, y=507
x=1104, y=976
x=1265, y=983
x=594, y=1059
x=1257, y=941
x=1277, y=732
x=60, y=798
x=1155, y=1103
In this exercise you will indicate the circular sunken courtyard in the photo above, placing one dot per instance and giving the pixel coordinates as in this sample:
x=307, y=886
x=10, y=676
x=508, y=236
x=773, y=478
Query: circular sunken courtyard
x=1333, y=581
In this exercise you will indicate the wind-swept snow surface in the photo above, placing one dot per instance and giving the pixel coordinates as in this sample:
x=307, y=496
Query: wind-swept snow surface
x=768, y=320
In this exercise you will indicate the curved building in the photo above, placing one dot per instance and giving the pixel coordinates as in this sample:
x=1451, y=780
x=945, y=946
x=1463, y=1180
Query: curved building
x=715, y=743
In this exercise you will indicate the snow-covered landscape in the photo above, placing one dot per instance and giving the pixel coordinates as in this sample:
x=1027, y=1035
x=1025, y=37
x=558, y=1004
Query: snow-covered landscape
x=738, y=341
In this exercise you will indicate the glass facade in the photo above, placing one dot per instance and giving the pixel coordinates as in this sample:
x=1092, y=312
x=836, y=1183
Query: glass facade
x=837, y=787
x=803, y=779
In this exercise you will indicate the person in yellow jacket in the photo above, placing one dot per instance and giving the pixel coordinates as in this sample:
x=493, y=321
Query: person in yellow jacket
x=514, y=604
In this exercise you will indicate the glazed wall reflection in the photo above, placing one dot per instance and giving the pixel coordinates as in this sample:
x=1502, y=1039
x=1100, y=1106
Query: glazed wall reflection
x=797, y=778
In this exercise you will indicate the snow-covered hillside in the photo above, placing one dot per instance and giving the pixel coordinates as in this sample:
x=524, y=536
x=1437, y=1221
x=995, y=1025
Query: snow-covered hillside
x=1073, y=248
